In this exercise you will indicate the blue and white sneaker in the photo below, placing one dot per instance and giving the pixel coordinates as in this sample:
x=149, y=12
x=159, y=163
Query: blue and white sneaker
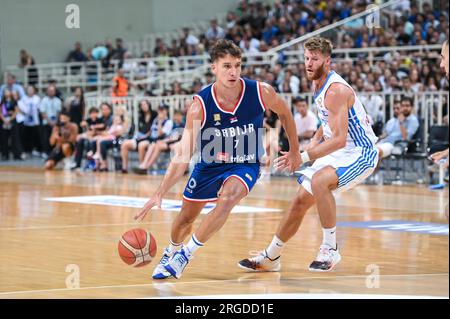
x=160, y=272
x=177, y=263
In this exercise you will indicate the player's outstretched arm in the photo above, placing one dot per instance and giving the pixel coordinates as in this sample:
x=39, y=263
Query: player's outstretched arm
x=273, y=101
x=180, y=161
x=338, y=100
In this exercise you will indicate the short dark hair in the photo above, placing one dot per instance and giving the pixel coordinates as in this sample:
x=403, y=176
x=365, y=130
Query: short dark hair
x=408, y=99
x=163, y=106
x=108, y=105
x=223, y=47
x=298, y=99
x=65, y=113
x=93, y=110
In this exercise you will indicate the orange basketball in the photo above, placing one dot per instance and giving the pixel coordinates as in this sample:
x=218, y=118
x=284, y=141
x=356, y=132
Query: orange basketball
x=137, y=247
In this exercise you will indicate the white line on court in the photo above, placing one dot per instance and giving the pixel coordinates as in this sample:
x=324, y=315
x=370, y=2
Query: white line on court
x=120, y=224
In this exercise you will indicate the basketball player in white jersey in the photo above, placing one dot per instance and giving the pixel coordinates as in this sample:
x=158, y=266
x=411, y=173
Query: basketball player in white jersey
x=343, y=153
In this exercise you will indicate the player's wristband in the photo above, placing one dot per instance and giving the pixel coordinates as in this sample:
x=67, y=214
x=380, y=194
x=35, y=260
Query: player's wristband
x=305, y=157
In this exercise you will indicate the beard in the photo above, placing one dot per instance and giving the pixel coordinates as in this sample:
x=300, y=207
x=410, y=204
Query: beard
x=317, y=74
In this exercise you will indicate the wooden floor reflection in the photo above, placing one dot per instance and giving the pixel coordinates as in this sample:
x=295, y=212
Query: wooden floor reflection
x=42, y=242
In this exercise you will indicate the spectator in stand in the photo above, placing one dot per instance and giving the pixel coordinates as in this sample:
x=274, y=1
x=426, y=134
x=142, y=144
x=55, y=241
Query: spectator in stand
x=160, y=129
x=160, y=48
x=49, y=108
x=62, y=139
x=12, y=86
x=16, y=142
x=90, y=125
x=215, y=32
x=29, y=124
x=86, y=141
x=305, y=121
x=120, y=85
x=99, y=52
x=401, y=127
x=119, y=52
x=106, y=60
x=75, y=107
x=8, y=125
x=163, y=145
x=291, y=83
x=27, y=61
x=76, y=55
x=189, y=38
x=146, y=117
x=209, y=78
x=105, y=140
x=145, y=69
x=58, y=92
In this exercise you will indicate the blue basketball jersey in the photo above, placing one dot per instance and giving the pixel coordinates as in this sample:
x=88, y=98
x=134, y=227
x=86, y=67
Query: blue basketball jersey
x=232, y=136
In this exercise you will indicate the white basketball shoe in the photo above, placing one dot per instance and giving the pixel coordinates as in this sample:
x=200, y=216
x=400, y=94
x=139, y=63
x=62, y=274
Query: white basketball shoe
x=261, y=263
x=326, y=259
x=160, y=272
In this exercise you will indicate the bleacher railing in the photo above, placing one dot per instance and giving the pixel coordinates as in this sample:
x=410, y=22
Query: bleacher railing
x=432, y=106
x=159, y=73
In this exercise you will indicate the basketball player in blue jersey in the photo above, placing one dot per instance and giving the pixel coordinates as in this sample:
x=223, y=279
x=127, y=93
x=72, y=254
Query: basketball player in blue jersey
x=344, y=154
x=226, y=120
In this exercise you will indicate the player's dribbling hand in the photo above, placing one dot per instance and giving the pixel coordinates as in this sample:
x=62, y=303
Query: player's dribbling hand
x=156, y=199
x=288, y=160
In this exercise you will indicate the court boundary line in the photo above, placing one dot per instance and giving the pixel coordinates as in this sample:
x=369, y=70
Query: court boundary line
x=119, y=224
x=205, y=282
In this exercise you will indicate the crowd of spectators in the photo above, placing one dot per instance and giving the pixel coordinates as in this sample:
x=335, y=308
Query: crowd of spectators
x=258, y=27
x=30, y=123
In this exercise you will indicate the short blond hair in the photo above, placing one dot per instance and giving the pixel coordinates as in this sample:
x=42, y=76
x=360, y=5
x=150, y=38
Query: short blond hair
x=320, y=44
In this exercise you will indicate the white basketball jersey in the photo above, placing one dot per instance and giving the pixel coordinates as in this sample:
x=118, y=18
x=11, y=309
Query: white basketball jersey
x=360, y=131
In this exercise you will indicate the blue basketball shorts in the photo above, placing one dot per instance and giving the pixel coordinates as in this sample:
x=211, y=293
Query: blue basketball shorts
x=206, y=181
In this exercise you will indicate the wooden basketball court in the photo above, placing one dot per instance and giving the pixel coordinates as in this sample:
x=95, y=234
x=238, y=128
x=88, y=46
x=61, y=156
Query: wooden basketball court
x=46, y=246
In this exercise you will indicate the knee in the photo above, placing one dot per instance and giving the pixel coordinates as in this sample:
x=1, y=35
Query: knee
x=228, y=199
x=186, y=220
x=319, y=184
x=142, y=147
x=67, y=150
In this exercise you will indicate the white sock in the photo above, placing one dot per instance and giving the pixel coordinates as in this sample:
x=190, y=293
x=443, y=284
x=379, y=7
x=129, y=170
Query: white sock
x=173, y=247
x=329, y=237
x=275, y=248
x=192, y=246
